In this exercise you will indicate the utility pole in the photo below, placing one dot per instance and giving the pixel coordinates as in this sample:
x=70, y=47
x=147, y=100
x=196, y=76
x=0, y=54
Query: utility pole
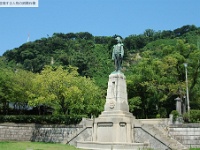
x=28, y=38
x=187, y=91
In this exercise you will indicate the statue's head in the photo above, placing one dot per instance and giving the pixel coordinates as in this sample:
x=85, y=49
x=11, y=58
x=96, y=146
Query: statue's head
x=119, y=40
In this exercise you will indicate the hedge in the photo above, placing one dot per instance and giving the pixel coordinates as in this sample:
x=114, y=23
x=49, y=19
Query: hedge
x=195, y=116
x=48, y=119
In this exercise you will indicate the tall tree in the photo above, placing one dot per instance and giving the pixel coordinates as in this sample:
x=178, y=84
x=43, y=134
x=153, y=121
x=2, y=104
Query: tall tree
x=66, y=92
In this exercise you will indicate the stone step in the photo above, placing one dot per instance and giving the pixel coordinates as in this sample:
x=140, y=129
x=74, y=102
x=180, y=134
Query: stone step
x=167, y=140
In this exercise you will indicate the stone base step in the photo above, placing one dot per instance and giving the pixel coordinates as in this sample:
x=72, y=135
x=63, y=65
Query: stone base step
x=111, y=146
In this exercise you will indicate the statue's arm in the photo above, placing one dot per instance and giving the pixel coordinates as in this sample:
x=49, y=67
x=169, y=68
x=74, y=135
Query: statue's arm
x=113, y=53
x=122, y=51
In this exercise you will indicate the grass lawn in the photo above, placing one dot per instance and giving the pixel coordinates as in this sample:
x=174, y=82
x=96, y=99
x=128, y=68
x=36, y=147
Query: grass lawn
x=11, y=145
x=34, y=146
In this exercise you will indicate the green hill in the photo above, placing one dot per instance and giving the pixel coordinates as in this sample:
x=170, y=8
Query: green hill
x=153, y=65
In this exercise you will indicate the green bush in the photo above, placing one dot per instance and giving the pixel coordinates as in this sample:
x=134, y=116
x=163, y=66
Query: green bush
x=186, y=117
x=175, y=115
x=195, y=116
x=49, y=119
x=163, y=112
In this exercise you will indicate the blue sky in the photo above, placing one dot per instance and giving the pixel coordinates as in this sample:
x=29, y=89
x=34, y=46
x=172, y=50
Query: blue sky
x=98, y=17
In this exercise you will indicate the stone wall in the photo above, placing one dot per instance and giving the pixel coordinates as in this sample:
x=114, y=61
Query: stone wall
x=187, y=134
x=43, y=133
x=16, y=132
x=34, y=132
x=156, y=121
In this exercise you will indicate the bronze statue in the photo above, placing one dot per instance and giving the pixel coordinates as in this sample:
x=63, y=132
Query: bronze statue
x=118, y=53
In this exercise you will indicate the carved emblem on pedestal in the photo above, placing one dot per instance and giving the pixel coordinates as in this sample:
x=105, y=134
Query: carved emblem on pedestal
x=112, y=104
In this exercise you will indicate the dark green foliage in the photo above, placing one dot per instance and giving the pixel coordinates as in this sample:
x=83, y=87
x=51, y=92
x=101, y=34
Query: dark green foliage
x=184, y=29
x=153, y=65
x=167, y=34
x=162, y=112
x=186, y=117
x=75, y=49
x=195, y=116
x=158, y=44
x=157, y=76
x=175, y=114
x=51, y=119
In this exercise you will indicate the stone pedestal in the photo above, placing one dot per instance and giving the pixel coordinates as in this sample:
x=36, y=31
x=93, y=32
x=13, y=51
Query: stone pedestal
x=115, y=124
x=116, y=99
x=114, y=128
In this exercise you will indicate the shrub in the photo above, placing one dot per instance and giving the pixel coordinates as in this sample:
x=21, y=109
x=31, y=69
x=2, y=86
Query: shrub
x=48, y=119
x=163, y=112
x=186, y=117
x=175, y=114
x=195, y=116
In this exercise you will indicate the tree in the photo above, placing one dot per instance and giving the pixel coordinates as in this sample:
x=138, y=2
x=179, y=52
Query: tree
x=21, y=83
x=184, y=29
x=65, y=92
x=154, y=82
x=159, y=77
x=154, y=62
x=5, y=90
x=150, y=34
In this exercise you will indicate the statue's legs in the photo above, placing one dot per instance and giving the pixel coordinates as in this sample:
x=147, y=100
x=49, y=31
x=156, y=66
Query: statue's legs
x=118, y=61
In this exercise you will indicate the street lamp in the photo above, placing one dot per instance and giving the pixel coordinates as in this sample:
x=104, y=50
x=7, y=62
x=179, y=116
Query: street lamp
x=184, y=104
x=187, y=92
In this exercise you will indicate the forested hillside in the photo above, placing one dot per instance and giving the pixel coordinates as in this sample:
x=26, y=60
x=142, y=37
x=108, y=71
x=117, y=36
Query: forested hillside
x=77, y=68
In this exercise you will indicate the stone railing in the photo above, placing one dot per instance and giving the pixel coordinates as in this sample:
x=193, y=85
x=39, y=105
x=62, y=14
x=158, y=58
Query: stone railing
x=154, y=121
